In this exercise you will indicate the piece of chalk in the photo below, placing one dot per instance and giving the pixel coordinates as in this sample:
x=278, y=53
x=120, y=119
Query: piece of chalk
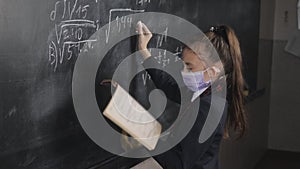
x=139, y=23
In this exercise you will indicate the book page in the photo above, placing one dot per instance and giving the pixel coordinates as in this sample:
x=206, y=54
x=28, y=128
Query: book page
x=129, y=115
x=149, y=163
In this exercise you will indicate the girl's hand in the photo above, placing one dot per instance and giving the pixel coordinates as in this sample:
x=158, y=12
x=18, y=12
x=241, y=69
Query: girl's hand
x=144, y=37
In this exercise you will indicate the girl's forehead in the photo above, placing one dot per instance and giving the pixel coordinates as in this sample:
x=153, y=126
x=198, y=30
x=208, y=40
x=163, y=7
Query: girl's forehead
x=191, y=56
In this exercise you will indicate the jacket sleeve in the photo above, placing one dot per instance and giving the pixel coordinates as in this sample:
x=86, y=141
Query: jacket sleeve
x=163, y=80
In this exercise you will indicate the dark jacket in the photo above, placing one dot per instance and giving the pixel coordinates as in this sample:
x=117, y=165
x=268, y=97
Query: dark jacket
x=188, y=153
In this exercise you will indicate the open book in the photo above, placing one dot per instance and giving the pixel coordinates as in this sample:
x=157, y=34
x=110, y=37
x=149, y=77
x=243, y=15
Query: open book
x=149, y=163
x=129, y=115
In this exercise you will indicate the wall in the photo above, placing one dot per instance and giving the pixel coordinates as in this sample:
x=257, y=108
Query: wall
x=273, y=118
x=245, y=153
x=285, y=103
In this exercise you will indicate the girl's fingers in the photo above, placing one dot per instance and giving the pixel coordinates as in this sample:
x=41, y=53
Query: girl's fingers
x=139, y=27
x=142, y=29
x=145, y=29
x=144, y=37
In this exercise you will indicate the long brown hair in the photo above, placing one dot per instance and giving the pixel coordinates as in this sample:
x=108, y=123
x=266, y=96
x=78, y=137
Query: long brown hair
x=227, y=45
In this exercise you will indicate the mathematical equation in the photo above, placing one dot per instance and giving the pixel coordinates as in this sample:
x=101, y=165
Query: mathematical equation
x=71, y=24
x=70, y=27
x=73, y=27
x=161, y=57
x=142, y=2
x=121, y=22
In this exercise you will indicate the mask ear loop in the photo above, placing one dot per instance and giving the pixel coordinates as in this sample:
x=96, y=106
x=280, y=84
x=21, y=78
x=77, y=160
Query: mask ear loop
x=219, y=71
x=216, y=71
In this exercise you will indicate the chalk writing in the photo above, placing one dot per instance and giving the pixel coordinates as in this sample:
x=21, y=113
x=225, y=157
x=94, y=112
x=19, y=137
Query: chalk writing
x=70, y=27
x=142, y=2
x=122, y=21
x=161, y=56
x=67, y=10
x=178, y=53
x=162, y=38
x=145, y=77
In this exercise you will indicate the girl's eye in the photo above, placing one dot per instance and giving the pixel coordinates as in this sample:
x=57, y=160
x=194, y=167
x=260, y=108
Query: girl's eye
x=189, y=67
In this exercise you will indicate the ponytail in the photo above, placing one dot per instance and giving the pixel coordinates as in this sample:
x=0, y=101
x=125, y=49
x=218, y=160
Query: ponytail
x=227, y=45
x=237, y=116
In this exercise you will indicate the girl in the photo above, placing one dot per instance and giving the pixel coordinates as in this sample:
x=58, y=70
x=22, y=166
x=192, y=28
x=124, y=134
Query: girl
x=189, y=153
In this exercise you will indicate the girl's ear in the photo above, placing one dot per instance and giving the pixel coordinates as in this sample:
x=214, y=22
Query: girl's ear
x=217, y=68
x=214, y=72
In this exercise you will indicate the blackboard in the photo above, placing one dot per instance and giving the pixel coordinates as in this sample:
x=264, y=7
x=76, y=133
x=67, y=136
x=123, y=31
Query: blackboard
x=40, y=42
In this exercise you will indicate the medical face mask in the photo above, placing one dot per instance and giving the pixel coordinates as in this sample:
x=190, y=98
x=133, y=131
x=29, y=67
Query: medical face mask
x=195, y=80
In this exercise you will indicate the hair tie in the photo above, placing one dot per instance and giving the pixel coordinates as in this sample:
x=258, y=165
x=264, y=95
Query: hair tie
x=220, y=30
x=212, y=29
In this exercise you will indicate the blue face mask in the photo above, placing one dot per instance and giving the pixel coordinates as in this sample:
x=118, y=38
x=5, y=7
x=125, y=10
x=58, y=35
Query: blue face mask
x=195, y=80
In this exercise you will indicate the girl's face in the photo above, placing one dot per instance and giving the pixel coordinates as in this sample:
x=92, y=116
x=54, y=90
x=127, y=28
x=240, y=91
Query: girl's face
x=192, y=63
